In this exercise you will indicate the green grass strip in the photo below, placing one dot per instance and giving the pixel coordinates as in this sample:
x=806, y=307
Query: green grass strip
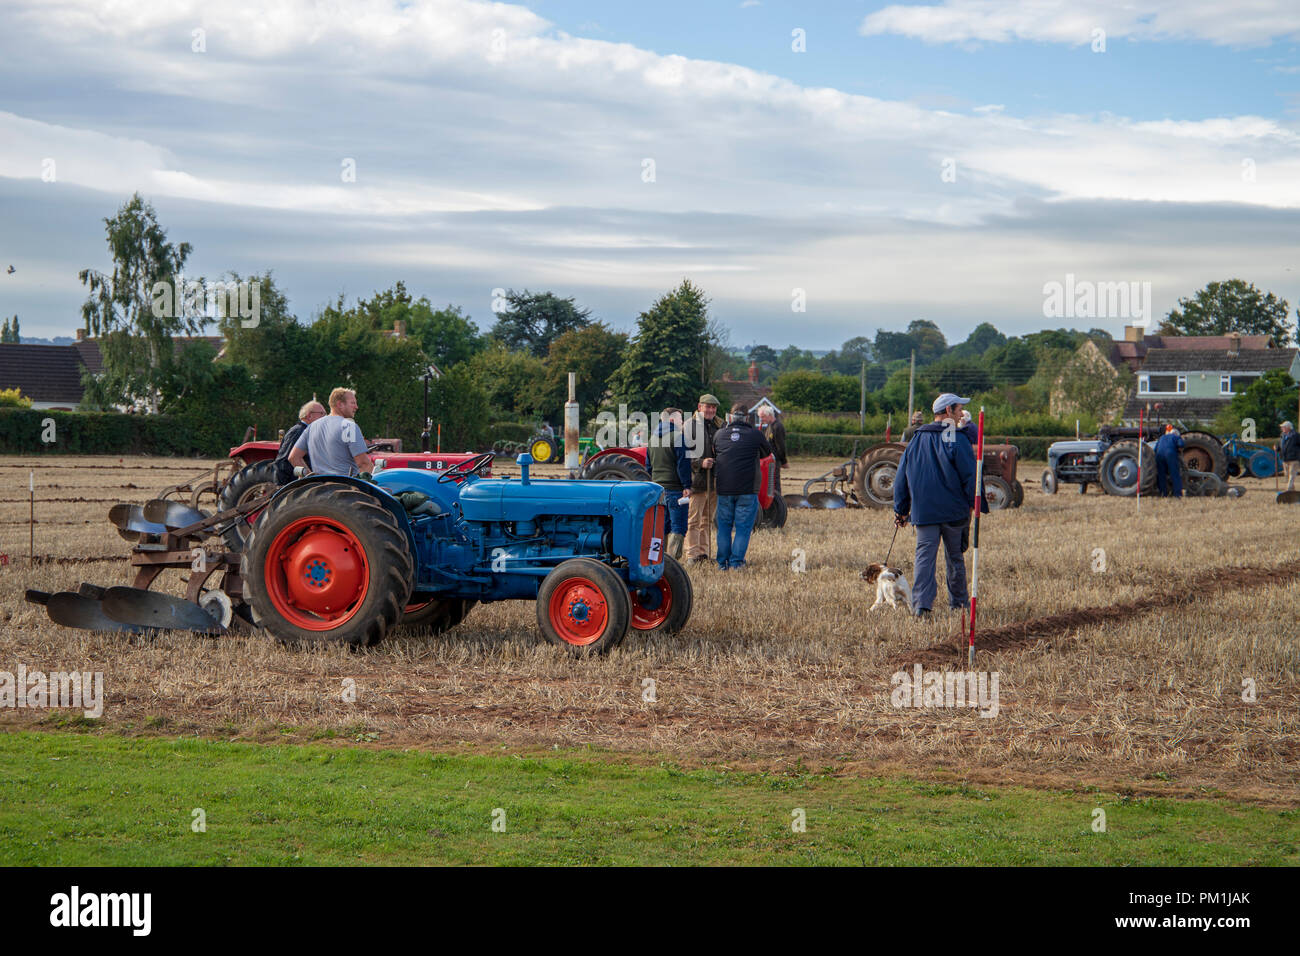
x=97, y=799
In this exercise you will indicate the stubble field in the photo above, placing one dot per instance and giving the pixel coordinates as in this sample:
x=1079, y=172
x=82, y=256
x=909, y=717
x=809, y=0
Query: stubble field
x=1122, y=642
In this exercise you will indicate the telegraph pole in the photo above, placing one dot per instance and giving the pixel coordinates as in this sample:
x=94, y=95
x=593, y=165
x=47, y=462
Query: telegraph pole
x=911, y=388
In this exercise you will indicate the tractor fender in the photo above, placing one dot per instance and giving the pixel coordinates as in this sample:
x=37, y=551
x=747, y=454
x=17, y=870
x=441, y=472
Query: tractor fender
x=641, y=453
x=384, y=498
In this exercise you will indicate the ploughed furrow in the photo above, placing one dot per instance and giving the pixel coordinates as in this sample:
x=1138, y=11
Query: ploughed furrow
x=1036, y=630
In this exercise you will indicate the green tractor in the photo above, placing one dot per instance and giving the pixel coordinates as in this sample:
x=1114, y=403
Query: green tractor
x=549, y=449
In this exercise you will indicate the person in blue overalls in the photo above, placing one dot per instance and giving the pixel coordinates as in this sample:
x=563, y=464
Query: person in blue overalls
x=1169, y=473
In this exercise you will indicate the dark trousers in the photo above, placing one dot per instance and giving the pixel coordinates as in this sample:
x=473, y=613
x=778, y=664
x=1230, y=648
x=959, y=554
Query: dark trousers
x=1169, y=475
x=924, y=586
x=677, y=514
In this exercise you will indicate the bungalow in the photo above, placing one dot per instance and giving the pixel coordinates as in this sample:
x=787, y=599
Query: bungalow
x=1195, y=385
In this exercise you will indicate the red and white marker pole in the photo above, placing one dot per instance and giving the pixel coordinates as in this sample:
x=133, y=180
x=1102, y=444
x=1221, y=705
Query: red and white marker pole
x=975, y=538
x=1142, y=441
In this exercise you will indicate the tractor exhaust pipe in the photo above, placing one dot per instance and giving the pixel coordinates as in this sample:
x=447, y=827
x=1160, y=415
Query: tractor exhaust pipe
x=572, y=454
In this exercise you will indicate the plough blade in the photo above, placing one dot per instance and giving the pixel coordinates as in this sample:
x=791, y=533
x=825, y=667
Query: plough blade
x=128, y=518
x=796, y=501
x=827, y=501
x=92, y=591
x=172, y=514
x=69, y=609
x=140, y=608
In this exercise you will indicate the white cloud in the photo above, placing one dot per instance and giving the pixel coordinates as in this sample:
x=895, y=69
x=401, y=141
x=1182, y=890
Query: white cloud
x=516, y=157
x=1240, y=23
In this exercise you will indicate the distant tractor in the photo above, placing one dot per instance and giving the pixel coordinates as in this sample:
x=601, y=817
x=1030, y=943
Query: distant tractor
x=873, y=478
x=549, y=449
x=1112, y=461
x=631, y=464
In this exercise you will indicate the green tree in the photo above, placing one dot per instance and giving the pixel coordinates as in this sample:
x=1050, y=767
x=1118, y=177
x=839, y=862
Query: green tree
x=893, y=345
x=1012, y=363
x=982, y=338
x=448, y=336
x=962, y=376
x=594, y=353
x=792, y=358
x=216, y=397
x=815, y=392
x=929, y=341
x=1270, y=400
x=1231, y=306
x=135, y=336
x=10, y=334
x=509, y=379
x=461, y=407
x=668, y=360
x=535, y=319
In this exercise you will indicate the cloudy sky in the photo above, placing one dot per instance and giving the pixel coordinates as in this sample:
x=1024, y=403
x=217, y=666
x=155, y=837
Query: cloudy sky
x=892, y=161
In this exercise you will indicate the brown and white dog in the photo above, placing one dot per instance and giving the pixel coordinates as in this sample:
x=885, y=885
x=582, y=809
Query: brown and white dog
x=890, y=586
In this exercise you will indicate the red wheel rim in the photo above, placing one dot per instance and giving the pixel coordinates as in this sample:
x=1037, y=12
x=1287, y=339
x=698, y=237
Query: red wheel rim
x=316, y=574
x=578, y=611
x=412, y=608
x=650, y=605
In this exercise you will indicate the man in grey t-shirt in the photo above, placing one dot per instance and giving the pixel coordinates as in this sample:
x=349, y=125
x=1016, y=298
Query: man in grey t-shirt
x=334, y=443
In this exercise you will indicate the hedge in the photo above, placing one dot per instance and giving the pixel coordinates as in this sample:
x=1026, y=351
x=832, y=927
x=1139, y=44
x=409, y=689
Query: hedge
x=1033, y=447
x=112, y=433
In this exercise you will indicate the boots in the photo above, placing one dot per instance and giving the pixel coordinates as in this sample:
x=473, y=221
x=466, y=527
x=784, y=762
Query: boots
x=675, y=542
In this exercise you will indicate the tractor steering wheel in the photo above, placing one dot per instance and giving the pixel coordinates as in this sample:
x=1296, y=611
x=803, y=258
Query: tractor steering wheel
x=464, y=469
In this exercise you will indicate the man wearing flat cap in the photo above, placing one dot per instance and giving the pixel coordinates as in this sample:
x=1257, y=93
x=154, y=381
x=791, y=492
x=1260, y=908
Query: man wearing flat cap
x=698, y=434
x=935, y=490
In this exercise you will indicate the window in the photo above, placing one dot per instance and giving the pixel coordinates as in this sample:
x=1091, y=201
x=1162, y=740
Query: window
x=1232, y=384
x=1162, y=384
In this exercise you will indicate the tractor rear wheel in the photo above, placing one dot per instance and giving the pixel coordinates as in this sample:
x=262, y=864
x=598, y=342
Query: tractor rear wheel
x=874, y=479
x=774, y=515
x=1118, y=469
x=436, y=615
x=327, y=563
x=616, y=468
x=665, y=606
x=584, y=606
x=997, y=493
x=1204, y=452
x=1017, y=493
x=250, y=482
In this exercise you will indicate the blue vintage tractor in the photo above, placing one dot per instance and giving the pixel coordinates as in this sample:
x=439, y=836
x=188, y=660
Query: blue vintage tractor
x=335, y=559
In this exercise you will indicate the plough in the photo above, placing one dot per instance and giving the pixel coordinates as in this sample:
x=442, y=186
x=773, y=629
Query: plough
x=166, y=535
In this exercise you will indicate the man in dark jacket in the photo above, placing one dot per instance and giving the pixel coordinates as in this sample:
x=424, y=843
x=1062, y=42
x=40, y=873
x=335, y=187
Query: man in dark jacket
x=670, y=467
x=935, y=489
x=1288, y=446
x=306, y=415
x=1169, y=466
x=738, y=447
x=774, y=432
x=698, y=434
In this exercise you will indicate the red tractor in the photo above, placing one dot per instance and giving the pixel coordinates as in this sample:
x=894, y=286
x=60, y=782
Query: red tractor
x=630, y=464
x=249, y=473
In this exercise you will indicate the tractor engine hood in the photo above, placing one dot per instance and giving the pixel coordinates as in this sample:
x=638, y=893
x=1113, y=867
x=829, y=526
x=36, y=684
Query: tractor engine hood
x=501, y=500
x=1086, y=446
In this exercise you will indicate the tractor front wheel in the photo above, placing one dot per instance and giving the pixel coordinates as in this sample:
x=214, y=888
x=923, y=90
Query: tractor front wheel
x=665, y=606
x=584, y=606
x=327, y=563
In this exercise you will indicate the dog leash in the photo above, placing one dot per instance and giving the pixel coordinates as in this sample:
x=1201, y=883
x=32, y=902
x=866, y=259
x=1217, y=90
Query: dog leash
x=891, y=545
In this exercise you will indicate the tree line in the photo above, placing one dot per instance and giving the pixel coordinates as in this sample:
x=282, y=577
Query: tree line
x=513, y=374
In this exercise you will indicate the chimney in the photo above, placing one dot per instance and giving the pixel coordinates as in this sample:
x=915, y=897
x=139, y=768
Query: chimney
x=1133, y=333
x=399, y=328
x=81, y=335
x=753, y=372
x=1234, y=344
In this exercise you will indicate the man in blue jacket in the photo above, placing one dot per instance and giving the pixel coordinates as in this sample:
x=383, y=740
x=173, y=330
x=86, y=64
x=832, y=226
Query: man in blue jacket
x=1169, y=471
x=935, y=489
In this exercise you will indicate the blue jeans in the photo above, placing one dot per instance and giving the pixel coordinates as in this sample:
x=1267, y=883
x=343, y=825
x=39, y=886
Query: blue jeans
x=677, y=514
x=740, y=512
x=924, y=585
